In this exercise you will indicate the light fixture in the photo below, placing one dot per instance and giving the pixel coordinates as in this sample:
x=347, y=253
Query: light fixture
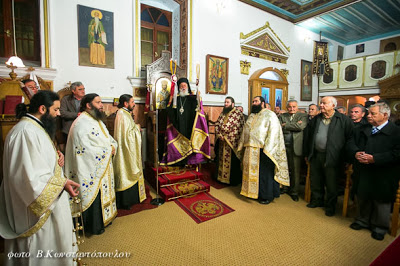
x=14, y=61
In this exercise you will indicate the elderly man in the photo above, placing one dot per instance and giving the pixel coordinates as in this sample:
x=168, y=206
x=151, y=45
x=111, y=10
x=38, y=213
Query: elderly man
x=34, y=209
x=341, y=109
x=357, y=113
x=376, y=149
x=187, y=138
x=326, y=138
x=264, y=155
x=313, y=110
x=70, y=105
x=293, y=124
x=129, y=181
x=228, y=129
x=88, y=161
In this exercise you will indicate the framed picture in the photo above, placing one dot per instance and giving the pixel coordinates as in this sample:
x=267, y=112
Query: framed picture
x=360, y=48
x=265, y=93
x=217, y=74
x=95, y=37
x=306, y=81
x=163, y=89
x=278, y=98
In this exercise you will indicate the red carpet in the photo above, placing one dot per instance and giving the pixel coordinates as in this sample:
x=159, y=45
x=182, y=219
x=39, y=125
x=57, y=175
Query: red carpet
x=182, y=189
x=203, y=207
x=390, y=256
x=145, y=205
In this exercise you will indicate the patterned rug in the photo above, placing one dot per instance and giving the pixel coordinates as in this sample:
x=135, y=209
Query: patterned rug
x=203, y=207
x=145, y=205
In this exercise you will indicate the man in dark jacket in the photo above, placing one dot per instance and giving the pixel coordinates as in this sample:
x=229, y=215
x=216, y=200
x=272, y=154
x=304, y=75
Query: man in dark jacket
x=376, y=149
x=325, y=142
x=357, y=114
x=69, y=108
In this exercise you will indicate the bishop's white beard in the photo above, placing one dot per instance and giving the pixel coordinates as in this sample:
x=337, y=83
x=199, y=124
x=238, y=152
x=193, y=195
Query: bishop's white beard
x=183, y=93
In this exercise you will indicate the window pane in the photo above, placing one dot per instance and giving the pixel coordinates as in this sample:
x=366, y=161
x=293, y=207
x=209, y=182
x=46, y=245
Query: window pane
x=163, y=21
x=146, y=60
x=145, y=16
x=155, y=13
x=147, y=34
x=162, y=37
x=147, y=48
x=271, y=75
x=162, y=42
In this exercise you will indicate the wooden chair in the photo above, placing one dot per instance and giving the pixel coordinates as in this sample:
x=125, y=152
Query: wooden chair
x=349, y=172
x=307, y=190
x=394, y=226
x=395, y=214
x=59, y=135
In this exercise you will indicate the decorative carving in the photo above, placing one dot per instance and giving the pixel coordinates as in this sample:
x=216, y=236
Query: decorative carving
x=245, y=67
x=264, y=43
x=183, y=32
x=285, y=72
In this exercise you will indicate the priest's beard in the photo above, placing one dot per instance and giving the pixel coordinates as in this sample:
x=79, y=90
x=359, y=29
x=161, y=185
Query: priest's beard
x=227, y=109
x=49, y=124
x=183, y=93
x=96, y=113
x=255, y=109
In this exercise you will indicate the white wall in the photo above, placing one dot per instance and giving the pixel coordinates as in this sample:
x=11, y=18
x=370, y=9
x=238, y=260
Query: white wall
x=64, y=48
x=218, y=33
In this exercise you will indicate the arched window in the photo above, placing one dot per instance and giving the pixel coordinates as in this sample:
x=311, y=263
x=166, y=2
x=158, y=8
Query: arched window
x=156, y=28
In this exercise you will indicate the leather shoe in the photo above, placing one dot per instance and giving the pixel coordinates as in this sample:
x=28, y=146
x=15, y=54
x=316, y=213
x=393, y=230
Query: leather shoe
x=264, y=201
x=294, y=197
x=329, y=213
x=377, y=236
x=284, y=190
x=314, y=205
x=356, y=226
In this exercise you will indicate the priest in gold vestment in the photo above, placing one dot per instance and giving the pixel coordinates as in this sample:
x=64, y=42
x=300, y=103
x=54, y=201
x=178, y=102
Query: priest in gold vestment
x=88, y=161
x=263, y=154
x=129, y=180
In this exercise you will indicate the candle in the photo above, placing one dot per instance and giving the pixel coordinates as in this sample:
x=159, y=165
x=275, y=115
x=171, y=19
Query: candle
x=197, y=70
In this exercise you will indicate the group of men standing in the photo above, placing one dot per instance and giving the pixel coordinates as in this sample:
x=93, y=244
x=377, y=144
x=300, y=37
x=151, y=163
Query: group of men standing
x=259, y=152
x=270, y=148
x=36, y=192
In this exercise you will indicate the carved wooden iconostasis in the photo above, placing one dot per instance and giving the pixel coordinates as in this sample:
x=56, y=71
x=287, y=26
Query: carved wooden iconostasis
x=159, y=79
